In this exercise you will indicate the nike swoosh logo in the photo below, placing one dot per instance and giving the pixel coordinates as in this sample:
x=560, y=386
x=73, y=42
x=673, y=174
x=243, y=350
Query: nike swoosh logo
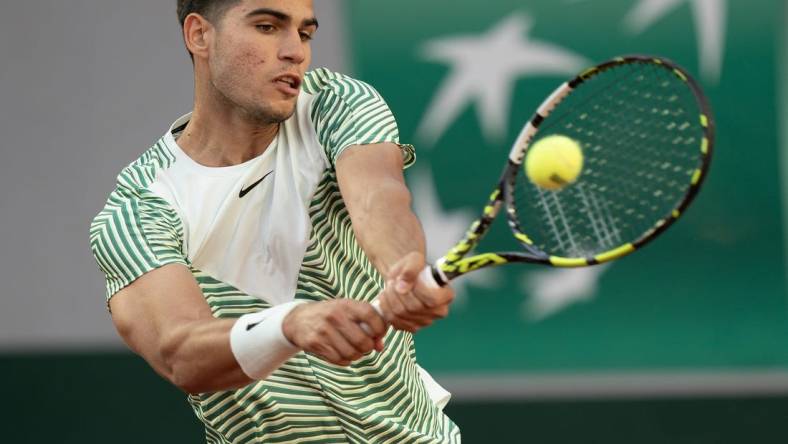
x=251, y=326
x=245, y=191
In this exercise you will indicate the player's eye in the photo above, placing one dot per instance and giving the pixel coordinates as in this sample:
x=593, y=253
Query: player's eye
x=306, y=36
x=266, y=27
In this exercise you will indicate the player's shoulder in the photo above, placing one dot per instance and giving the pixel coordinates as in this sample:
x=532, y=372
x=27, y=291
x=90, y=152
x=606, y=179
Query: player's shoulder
x=132, y=189
x=323, y=81
x=139, y=174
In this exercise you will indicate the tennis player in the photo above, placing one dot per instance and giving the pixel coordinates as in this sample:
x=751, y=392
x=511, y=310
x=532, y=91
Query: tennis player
x=242, y=250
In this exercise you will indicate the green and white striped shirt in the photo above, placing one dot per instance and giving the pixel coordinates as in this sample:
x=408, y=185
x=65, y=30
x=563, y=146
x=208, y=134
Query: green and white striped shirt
x=253, y=243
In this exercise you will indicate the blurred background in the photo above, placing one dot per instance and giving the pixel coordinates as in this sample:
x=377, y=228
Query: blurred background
x=684, y=342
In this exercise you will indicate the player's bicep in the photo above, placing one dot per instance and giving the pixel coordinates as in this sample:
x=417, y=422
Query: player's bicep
x=154, y=307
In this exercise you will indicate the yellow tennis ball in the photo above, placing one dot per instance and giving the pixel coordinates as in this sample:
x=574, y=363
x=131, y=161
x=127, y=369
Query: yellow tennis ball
x=554, y=162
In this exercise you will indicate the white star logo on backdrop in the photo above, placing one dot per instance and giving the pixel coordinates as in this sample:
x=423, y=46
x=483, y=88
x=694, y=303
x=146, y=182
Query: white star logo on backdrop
x=443, y=229
x=484, y=69
x=551, y=291
x=710, y=22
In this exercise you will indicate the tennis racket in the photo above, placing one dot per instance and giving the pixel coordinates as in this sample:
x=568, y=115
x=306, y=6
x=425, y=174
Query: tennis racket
x=646, y=133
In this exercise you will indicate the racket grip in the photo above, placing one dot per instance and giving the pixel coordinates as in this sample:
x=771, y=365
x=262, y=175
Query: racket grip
x=376, y=305
x=428, y=279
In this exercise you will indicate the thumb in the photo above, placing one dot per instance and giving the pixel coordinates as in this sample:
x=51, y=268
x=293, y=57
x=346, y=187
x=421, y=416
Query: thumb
x=410, y=267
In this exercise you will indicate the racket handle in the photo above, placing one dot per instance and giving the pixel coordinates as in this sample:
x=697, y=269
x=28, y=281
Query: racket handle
x=427, y=278
x=376, y=305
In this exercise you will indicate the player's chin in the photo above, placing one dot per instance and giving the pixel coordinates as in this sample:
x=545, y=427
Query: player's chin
x=285, y=108
x=276, y=112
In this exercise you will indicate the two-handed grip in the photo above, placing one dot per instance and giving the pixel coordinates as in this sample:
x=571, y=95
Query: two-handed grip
x=425, y=277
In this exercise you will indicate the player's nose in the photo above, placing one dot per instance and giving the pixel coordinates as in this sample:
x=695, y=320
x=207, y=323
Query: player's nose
x=293, y=48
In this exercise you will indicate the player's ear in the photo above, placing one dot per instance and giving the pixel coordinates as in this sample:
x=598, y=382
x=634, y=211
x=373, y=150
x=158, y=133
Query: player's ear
x=197, y=34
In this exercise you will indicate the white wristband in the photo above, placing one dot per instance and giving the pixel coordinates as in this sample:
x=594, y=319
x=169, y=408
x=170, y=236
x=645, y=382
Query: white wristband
x=258, y=343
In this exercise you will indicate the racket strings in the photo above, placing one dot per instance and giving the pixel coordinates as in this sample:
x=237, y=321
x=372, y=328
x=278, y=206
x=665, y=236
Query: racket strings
x=639, y=130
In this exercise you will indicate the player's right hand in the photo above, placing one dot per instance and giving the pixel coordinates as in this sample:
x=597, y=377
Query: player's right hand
x=407, y=302
x=333, y=330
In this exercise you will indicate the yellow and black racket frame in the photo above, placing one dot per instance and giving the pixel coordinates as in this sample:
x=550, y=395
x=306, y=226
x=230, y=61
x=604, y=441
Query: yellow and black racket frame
x=455, y=263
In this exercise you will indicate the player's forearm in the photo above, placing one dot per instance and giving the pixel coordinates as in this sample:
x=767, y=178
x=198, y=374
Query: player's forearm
x=197, y=357
x=210, y=355
x=385, y=225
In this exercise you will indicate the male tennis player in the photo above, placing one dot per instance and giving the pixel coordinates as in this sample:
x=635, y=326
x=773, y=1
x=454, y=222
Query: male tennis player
x=242, y=250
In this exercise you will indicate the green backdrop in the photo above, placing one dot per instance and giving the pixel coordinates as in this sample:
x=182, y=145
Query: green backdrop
x=709, y=294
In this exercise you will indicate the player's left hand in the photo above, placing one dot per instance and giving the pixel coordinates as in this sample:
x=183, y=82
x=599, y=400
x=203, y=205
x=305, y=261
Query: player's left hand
x=408, y=303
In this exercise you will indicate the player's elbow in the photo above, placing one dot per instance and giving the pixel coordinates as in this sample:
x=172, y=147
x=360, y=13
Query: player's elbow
x=162, y=352
x=179, y=376
x=187, y=383
x=190, y=379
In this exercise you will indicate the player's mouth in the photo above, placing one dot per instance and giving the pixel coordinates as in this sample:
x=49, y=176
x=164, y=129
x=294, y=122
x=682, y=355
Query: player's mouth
x=289, y=84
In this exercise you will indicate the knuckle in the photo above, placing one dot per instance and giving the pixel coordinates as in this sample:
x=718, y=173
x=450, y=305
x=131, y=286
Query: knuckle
x=410, y=327
x=313, y=345
x=414, y=305
x=366, y=345
x=399, y=325
x=366, y=311
x=321, y=330
x=399, y=310
x=333, y=317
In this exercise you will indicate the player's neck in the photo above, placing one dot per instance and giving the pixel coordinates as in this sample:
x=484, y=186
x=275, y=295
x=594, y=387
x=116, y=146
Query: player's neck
x=218, y=135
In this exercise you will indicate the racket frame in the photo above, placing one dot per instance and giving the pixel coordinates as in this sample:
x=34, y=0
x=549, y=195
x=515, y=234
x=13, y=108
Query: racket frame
x=455, y=263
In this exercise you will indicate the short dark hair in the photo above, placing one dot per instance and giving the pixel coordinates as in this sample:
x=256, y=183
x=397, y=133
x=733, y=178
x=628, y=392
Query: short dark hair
x=210, y=9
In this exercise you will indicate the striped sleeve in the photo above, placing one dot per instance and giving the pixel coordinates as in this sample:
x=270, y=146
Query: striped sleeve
x=134, y=234
x=350, y=112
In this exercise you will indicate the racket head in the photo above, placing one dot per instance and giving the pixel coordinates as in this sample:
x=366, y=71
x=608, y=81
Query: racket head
x=647, y=135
